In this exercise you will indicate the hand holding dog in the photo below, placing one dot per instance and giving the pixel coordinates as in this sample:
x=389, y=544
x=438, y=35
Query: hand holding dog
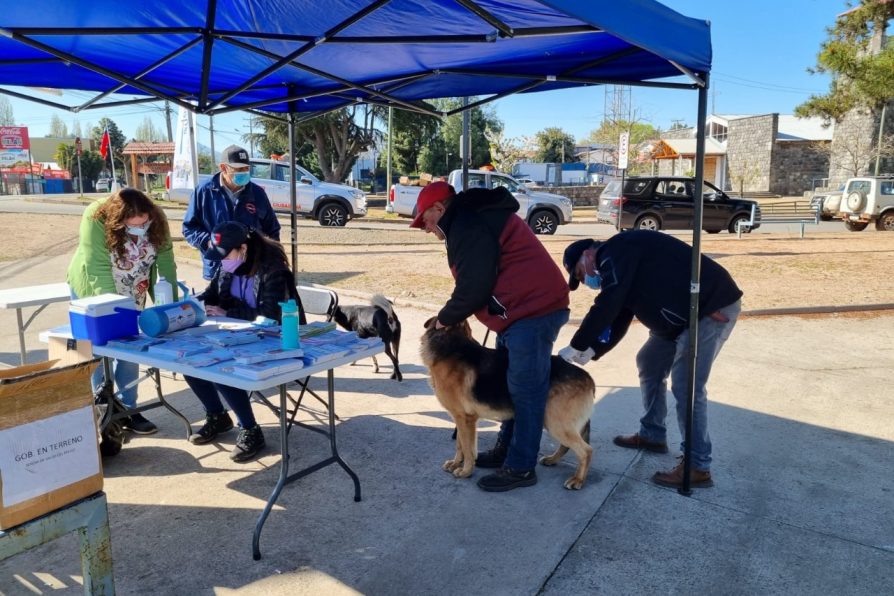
x=573, y=356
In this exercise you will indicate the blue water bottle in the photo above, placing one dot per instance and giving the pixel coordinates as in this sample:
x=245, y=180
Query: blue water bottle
x=289, y=333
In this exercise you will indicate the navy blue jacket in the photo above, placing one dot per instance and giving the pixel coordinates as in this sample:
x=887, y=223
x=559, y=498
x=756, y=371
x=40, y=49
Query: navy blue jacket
x=647, y=274
x=209, y=205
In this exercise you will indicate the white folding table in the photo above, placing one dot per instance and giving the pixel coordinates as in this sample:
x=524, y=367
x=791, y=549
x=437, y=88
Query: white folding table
x=281, y=381
x=40, y=296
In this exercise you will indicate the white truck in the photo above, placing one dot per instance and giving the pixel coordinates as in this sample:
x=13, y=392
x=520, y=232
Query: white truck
x=543, y=211
x=330, y=204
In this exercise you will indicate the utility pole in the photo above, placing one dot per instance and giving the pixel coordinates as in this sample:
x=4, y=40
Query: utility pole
x=211, y=130
x=388, y=159
x=168, y=121
x=251, y=138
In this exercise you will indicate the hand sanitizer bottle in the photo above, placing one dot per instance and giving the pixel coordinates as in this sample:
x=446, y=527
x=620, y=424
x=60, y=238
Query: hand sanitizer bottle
x=163, y=292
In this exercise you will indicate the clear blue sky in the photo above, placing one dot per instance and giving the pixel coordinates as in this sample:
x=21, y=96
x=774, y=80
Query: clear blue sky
x=762, y=49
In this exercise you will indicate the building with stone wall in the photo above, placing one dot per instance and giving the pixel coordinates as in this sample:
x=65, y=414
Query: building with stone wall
x=769, y=153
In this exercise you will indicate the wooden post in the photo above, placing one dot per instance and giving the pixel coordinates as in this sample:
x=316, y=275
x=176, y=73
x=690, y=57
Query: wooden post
x=133, y=170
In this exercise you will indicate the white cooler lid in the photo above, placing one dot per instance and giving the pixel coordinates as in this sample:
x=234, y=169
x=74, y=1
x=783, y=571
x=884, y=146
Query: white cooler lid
x=102, y=305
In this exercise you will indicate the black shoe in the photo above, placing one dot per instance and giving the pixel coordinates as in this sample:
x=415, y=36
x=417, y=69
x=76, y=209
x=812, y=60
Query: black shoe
x=138, y=424
x=506, y=479
x=214, y=425
x=249, y=442
x=495, y=457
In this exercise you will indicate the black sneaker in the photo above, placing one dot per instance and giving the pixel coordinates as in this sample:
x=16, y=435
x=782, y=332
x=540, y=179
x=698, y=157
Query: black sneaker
x=249, y=442
x=214, y=425
x=138, y=424
x=495, y=457
x=506, y=479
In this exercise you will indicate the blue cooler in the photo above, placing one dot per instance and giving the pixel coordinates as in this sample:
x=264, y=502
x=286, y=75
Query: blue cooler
x=104, y=317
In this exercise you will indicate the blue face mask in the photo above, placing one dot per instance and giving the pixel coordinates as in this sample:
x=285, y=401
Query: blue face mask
x=594, y=282
x=241, y=178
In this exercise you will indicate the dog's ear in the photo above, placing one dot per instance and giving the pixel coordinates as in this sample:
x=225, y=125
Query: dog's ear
x=466, y=328
x=430, y=322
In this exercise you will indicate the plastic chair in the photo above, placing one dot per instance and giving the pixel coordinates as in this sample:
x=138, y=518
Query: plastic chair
x=314, y=300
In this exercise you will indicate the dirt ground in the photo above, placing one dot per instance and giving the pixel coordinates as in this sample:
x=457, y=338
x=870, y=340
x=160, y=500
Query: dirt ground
x=774, y=270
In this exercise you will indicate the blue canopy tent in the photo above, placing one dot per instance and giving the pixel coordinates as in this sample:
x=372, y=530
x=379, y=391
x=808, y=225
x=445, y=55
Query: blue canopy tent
x=303, y=58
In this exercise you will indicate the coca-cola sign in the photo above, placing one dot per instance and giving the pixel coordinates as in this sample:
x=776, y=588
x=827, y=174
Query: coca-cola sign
x=14, y=137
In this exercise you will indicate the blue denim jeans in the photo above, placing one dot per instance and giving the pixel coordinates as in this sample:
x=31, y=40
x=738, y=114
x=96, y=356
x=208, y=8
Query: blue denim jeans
x=209, y=394
x=660, y=358
x=530, y=345
x=124, y=374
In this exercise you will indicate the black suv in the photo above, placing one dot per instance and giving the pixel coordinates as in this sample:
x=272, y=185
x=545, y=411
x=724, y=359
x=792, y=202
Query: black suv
x=665, y=203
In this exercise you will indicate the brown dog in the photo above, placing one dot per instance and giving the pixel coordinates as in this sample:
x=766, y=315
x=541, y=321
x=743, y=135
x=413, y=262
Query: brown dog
x=470, y=382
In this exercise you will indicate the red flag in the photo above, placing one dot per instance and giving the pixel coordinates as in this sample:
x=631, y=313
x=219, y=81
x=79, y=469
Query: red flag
x=104, y=145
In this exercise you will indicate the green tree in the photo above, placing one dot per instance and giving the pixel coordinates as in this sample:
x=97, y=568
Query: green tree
x=91, y=163
x=442, y=154
x=554, y=145
x=6, y=116
x=117, y=139
x=412, y=132
x=608, y=133
x=862, y=68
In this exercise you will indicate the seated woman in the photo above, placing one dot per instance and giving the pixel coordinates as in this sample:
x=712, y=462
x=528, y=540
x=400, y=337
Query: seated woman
x=124, y=246
x=253, y=278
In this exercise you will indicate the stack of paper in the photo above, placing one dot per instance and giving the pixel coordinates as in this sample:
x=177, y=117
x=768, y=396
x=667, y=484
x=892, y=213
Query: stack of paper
x=232, y=337
x=314, y=328
x=264, y=350
x=263, y=370
x=133, y=343
x=319, y=353
x=177, y=349
x=203, y=359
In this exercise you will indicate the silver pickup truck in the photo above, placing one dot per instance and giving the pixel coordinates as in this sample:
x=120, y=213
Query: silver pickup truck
x=543, y=211
x=330, y=204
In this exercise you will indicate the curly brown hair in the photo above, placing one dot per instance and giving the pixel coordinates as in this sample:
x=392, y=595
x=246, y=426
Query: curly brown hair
x=123, y=205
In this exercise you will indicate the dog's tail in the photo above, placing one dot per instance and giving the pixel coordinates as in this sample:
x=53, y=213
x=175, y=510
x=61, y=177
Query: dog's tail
x=383, y=303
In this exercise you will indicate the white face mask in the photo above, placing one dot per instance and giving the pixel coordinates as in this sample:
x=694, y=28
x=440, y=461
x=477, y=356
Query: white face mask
x=139, y=231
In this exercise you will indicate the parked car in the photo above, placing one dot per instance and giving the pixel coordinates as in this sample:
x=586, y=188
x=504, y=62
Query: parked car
x=665, y=203
x=105, y=184
x=868, y=199
x=543, y=211
x=330, y=204
x=829, y=202
x=527, y=182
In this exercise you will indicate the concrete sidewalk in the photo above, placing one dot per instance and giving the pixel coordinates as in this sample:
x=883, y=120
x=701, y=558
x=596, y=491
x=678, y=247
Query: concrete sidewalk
x=801, y=414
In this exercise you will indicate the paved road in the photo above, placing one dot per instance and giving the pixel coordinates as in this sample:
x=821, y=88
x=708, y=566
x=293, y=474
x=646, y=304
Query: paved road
x=584, y=226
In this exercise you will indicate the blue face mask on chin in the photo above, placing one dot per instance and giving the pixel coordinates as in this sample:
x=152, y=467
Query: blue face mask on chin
x=241, y=178
x=594, y=282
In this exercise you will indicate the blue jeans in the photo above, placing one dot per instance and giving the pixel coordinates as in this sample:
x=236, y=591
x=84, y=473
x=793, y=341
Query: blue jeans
x=124, y=373
x=659, y=358
x=530, y=345
x=209, y=394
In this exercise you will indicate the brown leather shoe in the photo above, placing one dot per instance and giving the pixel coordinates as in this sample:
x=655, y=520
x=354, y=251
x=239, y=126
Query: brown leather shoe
x=637, y=442
x=674, y=478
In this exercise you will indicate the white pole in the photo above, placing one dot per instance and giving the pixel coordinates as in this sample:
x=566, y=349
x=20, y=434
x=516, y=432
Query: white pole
x=114, y=186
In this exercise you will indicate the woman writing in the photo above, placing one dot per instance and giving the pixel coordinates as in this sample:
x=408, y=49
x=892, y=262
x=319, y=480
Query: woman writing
x=124, y=246
x=253, y=278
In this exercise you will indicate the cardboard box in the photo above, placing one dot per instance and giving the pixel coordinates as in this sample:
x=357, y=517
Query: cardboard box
x=49, y=447
x=64, y=349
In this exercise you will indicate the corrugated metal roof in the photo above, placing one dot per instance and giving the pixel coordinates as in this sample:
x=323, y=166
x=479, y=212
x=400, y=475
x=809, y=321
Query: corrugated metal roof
x=792, y=128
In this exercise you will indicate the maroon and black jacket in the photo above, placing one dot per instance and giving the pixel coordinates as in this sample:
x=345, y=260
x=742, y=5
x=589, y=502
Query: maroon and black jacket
x=503, y=272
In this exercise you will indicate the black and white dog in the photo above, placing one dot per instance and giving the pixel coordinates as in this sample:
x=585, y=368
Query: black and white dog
x=377, y=320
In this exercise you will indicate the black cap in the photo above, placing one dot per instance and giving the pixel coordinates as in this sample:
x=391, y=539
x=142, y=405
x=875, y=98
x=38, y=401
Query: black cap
x=225, y=237
x=572, y=256
x=234, y=155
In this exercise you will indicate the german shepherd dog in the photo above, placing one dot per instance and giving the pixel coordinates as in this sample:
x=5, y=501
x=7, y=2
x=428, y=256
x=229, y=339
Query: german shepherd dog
x=470, y=382
x=377, y=320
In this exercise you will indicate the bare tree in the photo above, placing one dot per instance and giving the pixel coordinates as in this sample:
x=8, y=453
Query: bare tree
x=504, y=152
x=855, y=152
x=6, y=117
x=744, y=174
x=58, y=129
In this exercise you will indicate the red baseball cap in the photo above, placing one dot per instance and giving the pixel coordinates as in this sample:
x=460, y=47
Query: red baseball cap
x=428, y=196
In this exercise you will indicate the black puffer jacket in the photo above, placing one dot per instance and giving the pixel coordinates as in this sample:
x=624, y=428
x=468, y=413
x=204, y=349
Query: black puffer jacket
x=271, y=285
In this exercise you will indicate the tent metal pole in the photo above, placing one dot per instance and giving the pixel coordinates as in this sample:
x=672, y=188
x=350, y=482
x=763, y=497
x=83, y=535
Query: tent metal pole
x=293, y=195
x=694, y=290
x=466, y=143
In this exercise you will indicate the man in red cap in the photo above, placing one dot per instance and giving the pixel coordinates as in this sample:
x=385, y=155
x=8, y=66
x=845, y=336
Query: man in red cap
x=506, y=278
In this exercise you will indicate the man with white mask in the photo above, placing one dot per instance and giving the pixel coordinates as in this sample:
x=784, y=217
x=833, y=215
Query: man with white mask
x=230, y=195
x=645, y=274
